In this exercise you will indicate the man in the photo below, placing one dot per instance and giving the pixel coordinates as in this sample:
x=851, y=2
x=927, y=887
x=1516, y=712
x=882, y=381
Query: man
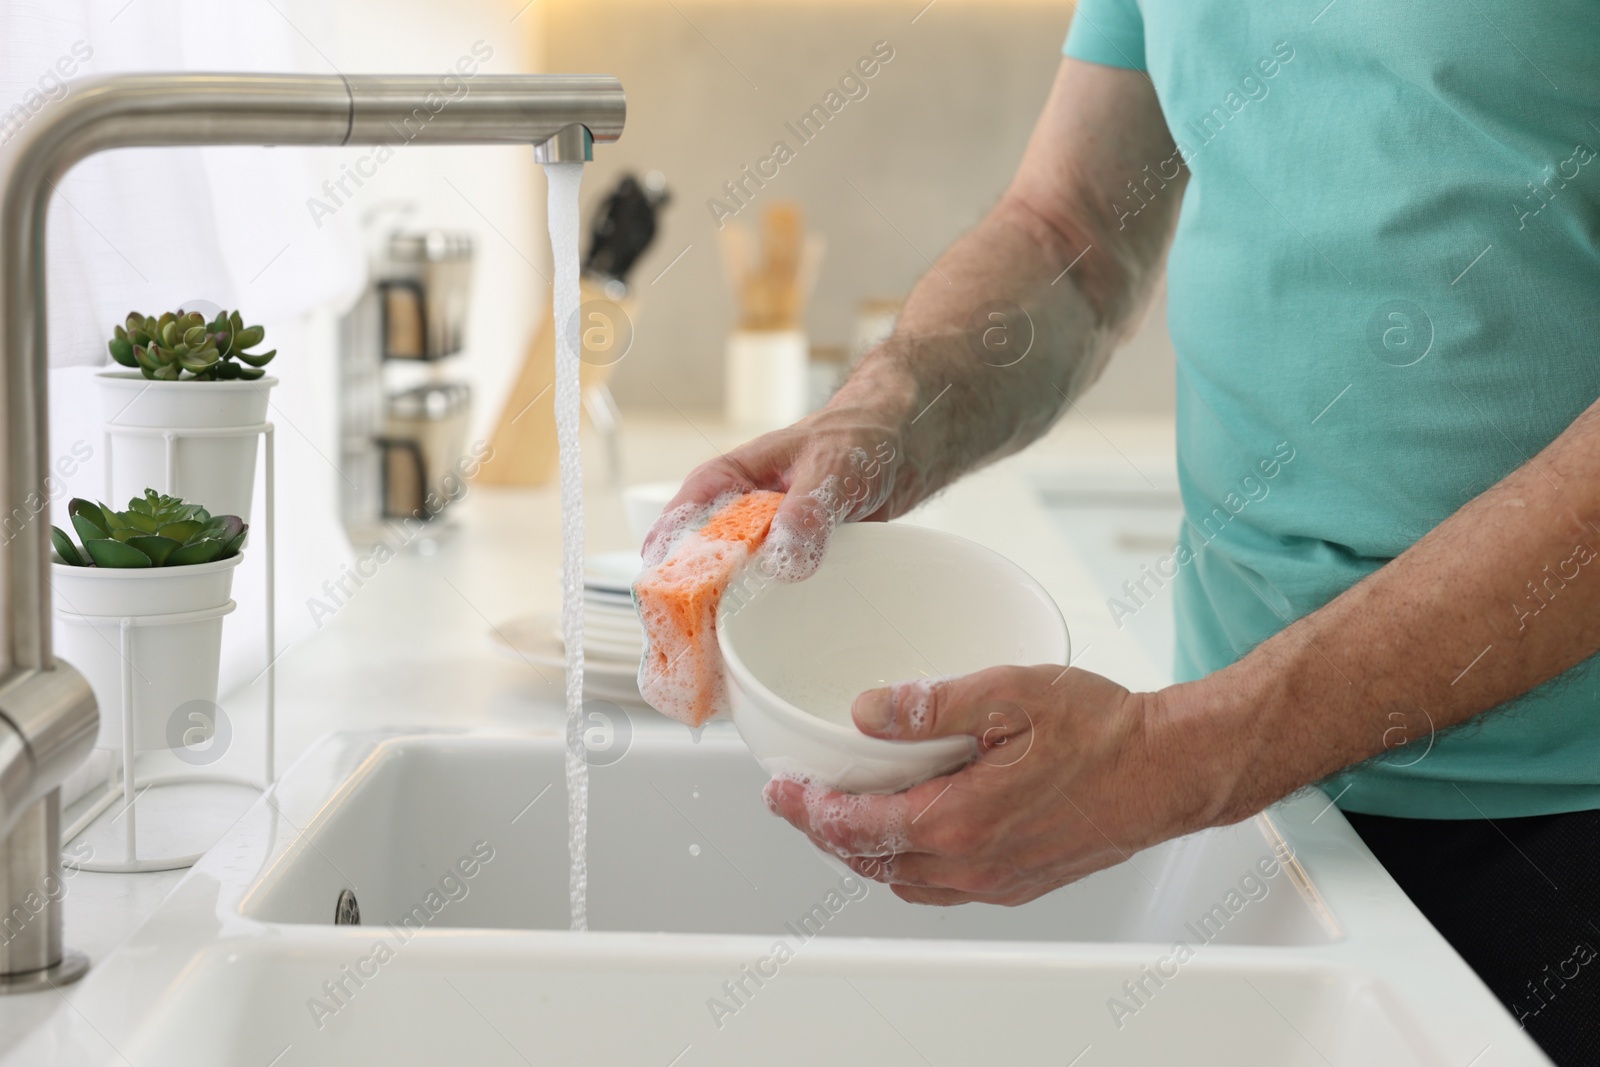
x=1383, y=288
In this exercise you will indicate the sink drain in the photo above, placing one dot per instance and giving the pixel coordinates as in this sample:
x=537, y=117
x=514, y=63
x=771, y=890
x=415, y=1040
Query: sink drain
x=346, y=912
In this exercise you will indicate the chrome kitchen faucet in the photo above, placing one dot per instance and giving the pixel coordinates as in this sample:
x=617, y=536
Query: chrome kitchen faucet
x=48, y=717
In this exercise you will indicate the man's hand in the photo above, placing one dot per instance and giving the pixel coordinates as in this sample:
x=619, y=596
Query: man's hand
x=841, y=464
x=1073, y=773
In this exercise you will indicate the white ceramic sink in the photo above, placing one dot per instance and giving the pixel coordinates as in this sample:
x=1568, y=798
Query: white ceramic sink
x=455, y=848
x=680, y=842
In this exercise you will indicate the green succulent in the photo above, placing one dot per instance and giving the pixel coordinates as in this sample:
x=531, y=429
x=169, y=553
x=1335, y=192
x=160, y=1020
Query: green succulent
x=183, y=342
x=155, y=531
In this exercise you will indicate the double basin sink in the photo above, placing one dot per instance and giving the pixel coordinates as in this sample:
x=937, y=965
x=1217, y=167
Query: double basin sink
x=720, y=936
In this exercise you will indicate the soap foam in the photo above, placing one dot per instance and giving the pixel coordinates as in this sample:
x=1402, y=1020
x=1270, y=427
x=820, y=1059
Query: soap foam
x=913, y=702
x=703, y=550
x=672, y=526
x=676, y=675
x=795, y=547
x=850, y=817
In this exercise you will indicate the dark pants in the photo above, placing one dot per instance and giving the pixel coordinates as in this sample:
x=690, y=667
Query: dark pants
x=1520, y=900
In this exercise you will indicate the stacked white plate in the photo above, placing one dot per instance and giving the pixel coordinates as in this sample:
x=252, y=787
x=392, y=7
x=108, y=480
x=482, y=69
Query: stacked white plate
x=613, y=640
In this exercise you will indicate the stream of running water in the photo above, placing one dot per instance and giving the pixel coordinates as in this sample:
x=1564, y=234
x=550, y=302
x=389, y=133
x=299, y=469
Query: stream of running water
x=564, y=179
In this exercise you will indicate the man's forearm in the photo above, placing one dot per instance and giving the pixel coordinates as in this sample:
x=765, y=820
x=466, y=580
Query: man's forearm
x=1442, y=633
x=998, y=338
x=987, y=350
x=1019, y=316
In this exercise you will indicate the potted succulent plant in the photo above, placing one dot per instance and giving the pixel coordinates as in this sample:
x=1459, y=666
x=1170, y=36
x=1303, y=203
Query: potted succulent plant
x=183, y=373
x=164, y=566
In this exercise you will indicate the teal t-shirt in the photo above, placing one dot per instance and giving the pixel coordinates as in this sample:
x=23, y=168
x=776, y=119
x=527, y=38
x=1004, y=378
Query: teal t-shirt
x=1384, y=296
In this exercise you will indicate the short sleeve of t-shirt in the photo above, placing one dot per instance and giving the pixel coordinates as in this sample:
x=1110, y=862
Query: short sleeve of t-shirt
x=1108, y=32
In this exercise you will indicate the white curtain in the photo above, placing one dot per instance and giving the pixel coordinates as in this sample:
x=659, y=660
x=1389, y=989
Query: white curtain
x=148, y=229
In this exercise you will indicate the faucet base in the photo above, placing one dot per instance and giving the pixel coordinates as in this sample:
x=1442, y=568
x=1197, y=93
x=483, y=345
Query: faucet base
x=73, y=966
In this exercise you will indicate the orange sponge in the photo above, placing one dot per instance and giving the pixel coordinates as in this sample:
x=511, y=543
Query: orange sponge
x=746, y=520
x=681, y=672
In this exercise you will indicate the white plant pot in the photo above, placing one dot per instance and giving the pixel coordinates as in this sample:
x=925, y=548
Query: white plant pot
x=217, y=473
x=174, y=663
x=768, y=379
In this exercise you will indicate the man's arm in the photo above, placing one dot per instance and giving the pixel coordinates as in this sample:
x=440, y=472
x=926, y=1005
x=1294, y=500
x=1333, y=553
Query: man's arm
x=1439, y=635
x=932, y=398
x=1055, y=248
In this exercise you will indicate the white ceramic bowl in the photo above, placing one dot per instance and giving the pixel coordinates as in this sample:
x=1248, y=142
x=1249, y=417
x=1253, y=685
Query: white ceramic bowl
x=891, y=602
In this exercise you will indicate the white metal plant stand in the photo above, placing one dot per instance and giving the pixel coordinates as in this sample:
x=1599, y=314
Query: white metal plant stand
x=127, y=786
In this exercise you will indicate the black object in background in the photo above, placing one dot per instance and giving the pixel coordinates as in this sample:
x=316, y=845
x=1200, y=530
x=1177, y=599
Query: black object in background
x=625, y=226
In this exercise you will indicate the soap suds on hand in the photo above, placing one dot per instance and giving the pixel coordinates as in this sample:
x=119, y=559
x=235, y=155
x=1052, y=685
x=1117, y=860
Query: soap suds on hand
x=853, y=826
x=794, y=550
x=915, y=700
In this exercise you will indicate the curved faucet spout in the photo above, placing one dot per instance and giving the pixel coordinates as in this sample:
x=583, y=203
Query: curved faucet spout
x=48, y=717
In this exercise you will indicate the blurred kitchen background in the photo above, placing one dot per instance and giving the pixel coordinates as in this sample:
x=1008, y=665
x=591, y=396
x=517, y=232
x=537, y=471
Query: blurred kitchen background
x=408, y=294
x=891, y=180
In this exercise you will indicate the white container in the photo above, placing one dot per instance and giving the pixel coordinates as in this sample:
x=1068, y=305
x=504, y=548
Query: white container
x=175, y=643
x=891, y=602
x=216, y=472
x=644, y=503
x=768, y=378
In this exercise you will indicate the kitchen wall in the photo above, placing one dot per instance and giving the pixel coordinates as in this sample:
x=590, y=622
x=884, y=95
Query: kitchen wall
x=890, y=180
